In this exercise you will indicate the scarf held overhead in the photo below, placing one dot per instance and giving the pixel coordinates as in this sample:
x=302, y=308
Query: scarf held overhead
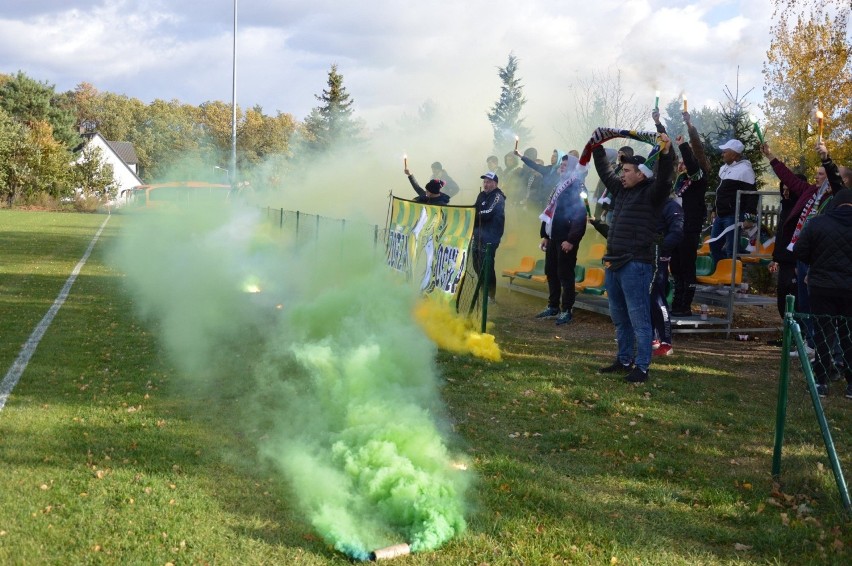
x=602, y=135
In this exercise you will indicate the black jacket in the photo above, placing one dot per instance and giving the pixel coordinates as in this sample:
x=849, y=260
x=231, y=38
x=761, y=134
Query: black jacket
x=670, y=228
x=694, y=207
x=423, y=197
x=636, y=211
x=569, y=219
x=490, y=217
x=825, y=244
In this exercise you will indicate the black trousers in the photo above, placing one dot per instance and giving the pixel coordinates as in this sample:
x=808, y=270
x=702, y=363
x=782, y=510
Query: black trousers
x=683, y=271
x=787, y=285
x=559, y=269
x=479, y=260
x=832, y=317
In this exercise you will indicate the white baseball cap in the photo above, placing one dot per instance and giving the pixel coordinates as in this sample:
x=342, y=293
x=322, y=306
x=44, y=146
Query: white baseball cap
x=734, y=145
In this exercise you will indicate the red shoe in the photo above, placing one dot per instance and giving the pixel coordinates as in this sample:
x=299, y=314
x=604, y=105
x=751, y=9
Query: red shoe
x=663, y=350
x=655, y=344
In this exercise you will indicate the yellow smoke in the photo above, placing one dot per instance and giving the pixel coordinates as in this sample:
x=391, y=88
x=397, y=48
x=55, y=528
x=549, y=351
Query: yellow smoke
x=452, y=332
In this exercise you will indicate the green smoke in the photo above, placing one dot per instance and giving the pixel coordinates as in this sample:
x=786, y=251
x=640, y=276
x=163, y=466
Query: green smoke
x=321, y=363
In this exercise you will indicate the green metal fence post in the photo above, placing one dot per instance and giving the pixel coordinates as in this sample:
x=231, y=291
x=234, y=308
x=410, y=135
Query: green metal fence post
x=783, y=386
x=486, y=270
x=281, y=219
x=823, y=424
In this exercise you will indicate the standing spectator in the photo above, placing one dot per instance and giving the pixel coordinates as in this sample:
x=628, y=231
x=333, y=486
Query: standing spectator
x=825, y=244
x=529, y=179
x=808, y=201
x=549, y=176
x=670, y=233
x=493, y=164
x=513, y=178
x=736, y=175
x=689, y=189
x=636, y=201
x=488, y=227
x=432, y=194
x=783, y=260
x=451, y=188
x=563, y=226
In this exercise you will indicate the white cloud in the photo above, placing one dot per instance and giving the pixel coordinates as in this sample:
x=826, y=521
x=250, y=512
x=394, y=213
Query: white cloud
x=393, y=55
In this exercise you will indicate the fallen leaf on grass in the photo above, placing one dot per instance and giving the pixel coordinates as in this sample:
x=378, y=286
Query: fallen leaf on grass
x=785, y=520
x=741, y=547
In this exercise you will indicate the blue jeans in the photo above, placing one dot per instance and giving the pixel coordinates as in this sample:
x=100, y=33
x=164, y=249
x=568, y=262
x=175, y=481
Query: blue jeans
x=723, y=248
x=629, y=293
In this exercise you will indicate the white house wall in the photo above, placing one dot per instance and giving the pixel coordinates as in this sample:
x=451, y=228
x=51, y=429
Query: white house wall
x=124, y=176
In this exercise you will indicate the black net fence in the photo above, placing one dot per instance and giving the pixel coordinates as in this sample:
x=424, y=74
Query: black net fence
x=815, y=407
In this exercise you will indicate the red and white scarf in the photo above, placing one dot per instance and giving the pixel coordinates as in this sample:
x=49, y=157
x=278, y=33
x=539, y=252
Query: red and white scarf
x=810, y=209
x=547, y=215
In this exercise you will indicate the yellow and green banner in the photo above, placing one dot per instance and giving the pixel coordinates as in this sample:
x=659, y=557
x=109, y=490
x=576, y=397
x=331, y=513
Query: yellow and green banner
x=429, y=244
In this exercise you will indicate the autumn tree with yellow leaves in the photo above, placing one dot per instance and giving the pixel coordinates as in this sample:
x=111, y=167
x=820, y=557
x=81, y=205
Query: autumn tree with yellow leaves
x=808, y=68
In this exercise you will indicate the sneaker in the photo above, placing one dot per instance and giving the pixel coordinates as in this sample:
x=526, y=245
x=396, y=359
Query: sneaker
x=849, y=390
x=549, y=312
x=655, y=344
x=616, y=367
x=564, y=318
x=777, y=343
x=794, y=353
x=636, y=375
x=822, y=389
x=663, y=350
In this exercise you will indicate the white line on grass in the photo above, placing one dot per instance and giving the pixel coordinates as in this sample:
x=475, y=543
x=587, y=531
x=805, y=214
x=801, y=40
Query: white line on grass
x=29, y=348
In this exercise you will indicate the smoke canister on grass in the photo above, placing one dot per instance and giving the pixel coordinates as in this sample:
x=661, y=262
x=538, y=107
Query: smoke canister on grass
x=390, y=552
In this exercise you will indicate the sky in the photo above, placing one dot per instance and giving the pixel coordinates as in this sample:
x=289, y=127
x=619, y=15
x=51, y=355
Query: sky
x=393, y=55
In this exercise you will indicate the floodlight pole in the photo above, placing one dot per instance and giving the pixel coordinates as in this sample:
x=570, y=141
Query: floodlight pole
x=233, y=167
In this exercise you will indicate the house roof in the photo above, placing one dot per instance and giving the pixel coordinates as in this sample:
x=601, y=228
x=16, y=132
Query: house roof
x=125, y=151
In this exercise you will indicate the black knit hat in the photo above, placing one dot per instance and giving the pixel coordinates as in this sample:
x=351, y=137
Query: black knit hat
x=434, y=186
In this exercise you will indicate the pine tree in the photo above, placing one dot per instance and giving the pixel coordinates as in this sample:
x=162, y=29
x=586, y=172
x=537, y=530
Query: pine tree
x=505, y=114
x=332, y=122
x=734, y=122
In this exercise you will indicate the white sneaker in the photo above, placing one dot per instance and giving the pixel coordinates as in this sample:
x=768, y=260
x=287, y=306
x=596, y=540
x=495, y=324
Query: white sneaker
x=794, y=353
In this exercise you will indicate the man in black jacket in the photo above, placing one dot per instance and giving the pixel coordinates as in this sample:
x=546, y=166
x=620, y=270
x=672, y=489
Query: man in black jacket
x=637, y=199
x=488, y=227
x=825, y=244
x=562, y=228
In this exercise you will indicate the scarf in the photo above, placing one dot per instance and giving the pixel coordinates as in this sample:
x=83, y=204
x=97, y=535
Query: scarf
x=809, y=210
x=684, y=180
x=547, y=215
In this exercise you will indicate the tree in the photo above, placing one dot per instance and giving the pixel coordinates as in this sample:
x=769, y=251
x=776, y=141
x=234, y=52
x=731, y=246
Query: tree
x=601, y=100
x=734, y=122
x=93, y=177
x=505, y=114
x=38, y=166
x=30, y=101
x=332, y=122
x=168, y=133
x=808, y=64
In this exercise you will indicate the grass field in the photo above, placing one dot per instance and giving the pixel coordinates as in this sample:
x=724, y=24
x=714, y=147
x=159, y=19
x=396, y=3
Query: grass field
x=105, y=461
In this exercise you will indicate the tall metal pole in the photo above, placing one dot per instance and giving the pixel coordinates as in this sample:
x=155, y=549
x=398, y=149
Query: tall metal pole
x=234, y=108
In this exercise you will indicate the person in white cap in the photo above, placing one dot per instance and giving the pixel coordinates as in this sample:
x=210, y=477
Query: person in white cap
x=735, y=175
